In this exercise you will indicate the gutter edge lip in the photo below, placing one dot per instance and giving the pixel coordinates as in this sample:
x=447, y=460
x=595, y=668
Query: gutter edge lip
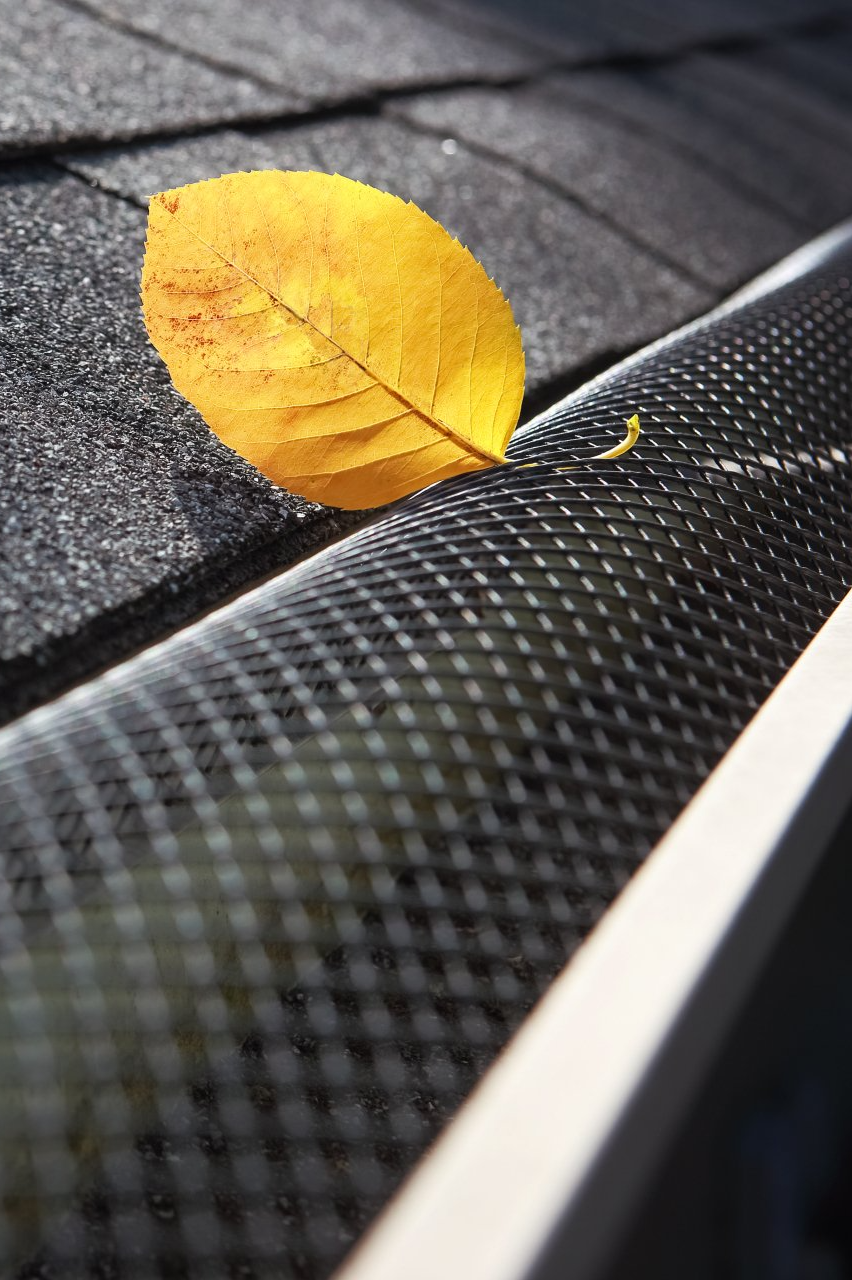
x=671, y=961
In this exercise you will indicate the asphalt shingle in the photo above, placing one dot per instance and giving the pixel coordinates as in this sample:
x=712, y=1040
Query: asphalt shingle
x=659, y=198
x=712, y=110
x=325, y=52
x=726, y=20
x=821, y=64
x=575, y=31
x=774, y=104
x=114, y=492
x=580, y=31
x=809, y=108
x=579, y=290
x=66, y=76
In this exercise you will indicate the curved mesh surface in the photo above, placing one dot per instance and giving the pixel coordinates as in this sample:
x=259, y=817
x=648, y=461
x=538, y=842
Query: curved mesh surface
x=276, y=892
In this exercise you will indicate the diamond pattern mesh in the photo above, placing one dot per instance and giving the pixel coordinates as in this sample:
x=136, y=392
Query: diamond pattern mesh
x=277, y=891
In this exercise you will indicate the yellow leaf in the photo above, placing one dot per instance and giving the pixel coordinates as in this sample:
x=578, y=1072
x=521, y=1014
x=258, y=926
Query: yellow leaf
x=334, y=335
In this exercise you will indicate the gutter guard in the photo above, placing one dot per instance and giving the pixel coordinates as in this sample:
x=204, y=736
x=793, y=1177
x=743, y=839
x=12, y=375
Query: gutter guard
x=542, y=1171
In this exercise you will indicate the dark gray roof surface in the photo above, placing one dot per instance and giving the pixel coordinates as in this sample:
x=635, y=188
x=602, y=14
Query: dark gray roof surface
x=65, y=75
x=580, y=288
x=661, y=199
x=325, y=52
x=617, y=167
x=820, y=63
x=712, y=110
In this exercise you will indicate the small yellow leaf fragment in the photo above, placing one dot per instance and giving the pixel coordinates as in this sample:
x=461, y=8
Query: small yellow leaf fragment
x=337, y=337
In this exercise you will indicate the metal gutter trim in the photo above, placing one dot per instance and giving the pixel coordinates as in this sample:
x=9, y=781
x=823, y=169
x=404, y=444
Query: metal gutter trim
x=546, y=1161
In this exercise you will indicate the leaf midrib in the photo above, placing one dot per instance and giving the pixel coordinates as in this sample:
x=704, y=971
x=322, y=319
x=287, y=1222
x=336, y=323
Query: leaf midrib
x=469, y=446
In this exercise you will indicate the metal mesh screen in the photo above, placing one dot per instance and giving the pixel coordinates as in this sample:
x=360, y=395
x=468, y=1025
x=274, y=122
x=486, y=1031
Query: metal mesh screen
x=276, y=892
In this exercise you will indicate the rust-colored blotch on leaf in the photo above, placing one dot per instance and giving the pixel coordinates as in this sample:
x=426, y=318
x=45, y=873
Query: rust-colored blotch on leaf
x=337, y=337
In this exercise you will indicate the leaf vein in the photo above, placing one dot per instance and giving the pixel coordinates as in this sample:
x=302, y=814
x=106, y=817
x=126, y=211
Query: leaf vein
x=269, y=408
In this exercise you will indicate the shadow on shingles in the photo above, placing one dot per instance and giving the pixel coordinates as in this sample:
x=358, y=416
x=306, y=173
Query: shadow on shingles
x=62, y=662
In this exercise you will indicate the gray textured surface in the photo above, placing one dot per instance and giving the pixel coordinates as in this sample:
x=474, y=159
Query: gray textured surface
x=636, y=27
x=774, y=102
x=808, y=141
x=822, y=64
x=664, y=201
x=327, y=51
x=113, y=487
x=63, y=75
x=579, y=290
x=714, y=113
x=571, y=29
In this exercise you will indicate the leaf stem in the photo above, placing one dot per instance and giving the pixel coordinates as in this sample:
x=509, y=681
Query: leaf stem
x=626, y=444
x=623, y=446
